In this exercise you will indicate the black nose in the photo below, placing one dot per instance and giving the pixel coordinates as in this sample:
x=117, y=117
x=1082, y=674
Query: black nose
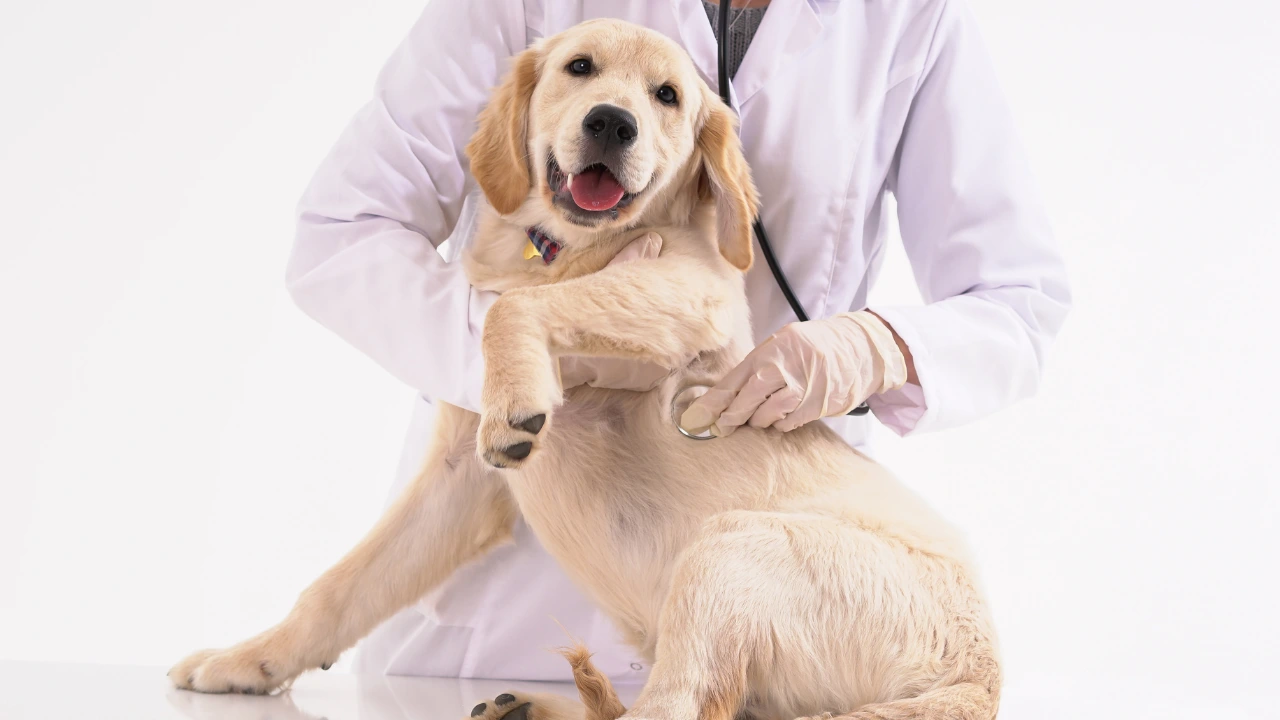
x=610, y=125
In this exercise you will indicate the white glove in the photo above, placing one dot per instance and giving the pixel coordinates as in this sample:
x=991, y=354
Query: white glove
x=805, y=371
x=615, y=373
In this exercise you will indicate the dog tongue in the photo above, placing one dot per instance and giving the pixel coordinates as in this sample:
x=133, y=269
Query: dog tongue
x=595, y=189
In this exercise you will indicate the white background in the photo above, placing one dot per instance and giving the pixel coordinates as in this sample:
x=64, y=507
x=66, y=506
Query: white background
x=181, y=450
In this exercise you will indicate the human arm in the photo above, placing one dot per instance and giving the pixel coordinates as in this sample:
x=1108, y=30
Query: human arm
x=364, y=261
x=980, y=247
x=978, y=240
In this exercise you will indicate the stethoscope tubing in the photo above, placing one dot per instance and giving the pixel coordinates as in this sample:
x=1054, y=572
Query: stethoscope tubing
x=722, y=53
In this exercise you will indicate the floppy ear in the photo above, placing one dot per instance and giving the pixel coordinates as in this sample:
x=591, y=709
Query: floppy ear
x=728, y=179
x=499, y=150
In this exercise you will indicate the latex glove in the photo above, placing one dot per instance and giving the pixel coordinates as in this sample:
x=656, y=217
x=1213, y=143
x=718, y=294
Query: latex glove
x=805, y=371
x=616, y=373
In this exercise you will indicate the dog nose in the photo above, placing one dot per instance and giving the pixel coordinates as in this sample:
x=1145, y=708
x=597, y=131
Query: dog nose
x=609, y=124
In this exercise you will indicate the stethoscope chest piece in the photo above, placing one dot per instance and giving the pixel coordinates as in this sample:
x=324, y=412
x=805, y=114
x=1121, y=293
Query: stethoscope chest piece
x=681, y=402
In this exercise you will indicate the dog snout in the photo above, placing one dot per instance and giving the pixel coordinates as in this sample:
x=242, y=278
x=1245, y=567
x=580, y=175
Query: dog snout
x=610, y=127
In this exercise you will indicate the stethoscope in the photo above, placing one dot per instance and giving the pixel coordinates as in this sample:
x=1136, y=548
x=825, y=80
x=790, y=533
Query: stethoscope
x=684, y=397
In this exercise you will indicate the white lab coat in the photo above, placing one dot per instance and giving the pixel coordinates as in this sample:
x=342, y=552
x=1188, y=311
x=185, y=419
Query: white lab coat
x=841, y=103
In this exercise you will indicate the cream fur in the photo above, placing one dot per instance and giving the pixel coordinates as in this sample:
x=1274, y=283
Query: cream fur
x=765, y=575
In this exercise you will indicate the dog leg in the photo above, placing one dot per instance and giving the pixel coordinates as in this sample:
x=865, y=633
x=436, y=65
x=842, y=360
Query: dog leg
x=699, y=672
x=455, y=510
x=664, y=311
x=780, y=614
x=713, y=624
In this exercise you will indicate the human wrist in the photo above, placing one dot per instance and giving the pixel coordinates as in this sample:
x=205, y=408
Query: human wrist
x=912, y=377
x=889, y=356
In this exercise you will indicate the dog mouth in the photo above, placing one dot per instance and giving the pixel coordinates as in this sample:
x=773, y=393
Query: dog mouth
x=593, y=192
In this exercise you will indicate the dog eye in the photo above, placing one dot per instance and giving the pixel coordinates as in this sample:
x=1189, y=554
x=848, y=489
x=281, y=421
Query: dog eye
x=667, y=94
x=581, y=66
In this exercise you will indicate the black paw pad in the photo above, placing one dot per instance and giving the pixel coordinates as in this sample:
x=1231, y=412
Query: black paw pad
x=478, y=710
x=326, y=666
x=519, y=451
x=520, y=713
x=533, y=424
x=506, y=698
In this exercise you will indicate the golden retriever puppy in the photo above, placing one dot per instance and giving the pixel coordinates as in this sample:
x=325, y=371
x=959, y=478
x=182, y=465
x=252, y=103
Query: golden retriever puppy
x=765, y=575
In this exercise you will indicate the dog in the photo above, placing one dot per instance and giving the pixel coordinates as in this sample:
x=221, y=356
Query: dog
x=764, y=575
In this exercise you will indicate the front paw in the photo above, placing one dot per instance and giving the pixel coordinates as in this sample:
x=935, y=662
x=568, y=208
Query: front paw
x=228, y=671
x=521, y=387
x=254, y=667
x=509, y=438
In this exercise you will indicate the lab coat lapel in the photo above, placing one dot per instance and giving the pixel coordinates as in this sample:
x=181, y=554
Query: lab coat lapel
x=697, y=38
x=788, y=29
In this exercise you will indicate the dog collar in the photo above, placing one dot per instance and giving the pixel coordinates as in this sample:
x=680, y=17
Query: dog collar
x=540, y=244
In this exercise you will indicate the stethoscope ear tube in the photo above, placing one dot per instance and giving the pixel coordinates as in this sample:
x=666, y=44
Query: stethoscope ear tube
x=722, y=53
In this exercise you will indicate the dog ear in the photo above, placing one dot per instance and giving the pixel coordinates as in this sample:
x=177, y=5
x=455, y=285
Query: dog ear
x=728, y=180
x=499, y=150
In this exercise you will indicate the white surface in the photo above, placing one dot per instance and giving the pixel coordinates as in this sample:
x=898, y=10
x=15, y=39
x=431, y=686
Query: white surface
x=58, y=691
x=182, y=451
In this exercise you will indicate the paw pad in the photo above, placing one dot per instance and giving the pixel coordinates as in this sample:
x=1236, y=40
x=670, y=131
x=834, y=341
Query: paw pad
x=503, y=707
x=533, y=424
x=519, y=451
x=509, y=439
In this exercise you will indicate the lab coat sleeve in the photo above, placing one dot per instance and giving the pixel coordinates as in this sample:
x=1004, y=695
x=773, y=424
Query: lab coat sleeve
x=978, y=241
x=364, y=262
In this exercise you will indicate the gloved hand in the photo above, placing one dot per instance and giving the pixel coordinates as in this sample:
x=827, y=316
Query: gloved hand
x=615, y=373
x=805, y=371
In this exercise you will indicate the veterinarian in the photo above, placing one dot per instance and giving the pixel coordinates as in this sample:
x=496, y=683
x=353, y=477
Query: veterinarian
x=829, y=94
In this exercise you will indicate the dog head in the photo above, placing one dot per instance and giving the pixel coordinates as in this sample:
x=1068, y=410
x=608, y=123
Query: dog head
x=602, y=123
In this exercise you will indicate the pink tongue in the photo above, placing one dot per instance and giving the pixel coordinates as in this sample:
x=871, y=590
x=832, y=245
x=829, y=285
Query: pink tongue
x=595, y=189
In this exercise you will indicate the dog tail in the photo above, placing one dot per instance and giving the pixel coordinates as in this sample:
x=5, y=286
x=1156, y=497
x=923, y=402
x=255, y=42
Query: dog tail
x=597, y=693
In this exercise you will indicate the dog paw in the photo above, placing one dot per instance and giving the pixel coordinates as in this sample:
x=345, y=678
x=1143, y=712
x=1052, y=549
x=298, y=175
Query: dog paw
x=246, y=669
x=509, y=439
x=524, y=706
x=521, y=383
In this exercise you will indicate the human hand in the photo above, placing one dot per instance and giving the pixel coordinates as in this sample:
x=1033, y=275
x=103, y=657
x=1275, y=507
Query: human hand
x=616, y=373
x=803, y=372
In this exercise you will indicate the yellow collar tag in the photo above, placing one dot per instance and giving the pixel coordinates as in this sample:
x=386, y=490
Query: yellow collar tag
x=531, y=251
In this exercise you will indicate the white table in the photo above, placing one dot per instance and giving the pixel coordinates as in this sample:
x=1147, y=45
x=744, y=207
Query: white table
x=57, y=691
